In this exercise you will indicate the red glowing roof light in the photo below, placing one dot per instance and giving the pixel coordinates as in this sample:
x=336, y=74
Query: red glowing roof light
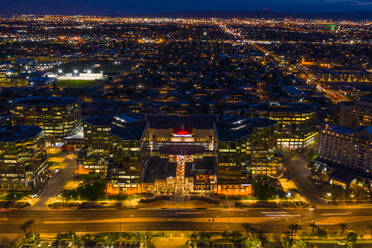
x=182, y=132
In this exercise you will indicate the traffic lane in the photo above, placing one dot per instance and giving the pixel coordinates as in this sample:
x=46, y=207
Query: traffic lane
x=274, y=228
x=101, y=214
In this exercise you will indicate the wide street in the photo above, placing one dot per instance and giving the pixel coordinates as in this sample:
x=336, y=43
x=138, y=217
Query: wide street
x=48, y=222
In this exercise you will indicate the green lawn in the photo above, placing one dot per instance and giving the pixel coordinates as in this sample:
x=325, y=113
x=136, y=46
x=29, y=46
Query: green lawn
x=78, y=83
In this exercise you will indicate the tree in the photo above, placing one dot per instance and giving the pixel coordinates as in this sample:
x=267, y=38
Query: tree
x=313, y=226
x=321, y=234
x=343, y=227
x=262, y=238
x=351, y=239
x=252, y=243
x=247, y=228
x=236, y=236
x=300, y=243
x=27, y=226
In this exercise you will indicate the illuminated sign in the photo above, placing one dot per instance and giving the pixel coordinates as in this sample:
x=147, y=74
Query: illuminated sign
x=182, y=133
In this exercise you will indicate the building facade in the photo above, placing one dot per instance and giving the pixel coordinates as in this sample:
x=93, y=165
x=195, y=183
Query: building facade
x=22, y=157
x=296, y=123
x=57, y=116
x=346, y=147
x=356, y=114
x=187, y=154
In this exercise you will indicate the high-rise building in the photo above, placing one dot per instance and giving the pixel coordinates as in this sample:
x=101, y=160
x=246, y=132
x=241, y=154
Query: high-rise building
x=189, y=154
x=22, y=157
x=94, y=157
x=245, y=147
x=57, y=116
x=129, y=159
x=296, y=123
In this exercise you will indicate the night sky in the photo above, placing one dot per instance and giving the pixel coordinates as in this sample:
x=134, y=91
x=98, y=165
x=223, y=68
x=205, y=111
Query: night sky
x=122, y=7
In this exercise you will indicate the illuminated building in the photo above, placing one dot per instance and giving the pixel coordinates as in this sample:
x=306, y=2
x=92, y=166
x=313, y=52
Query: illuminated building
x=57, y=116
x=296, y=123
x=129, y=160
x=348, y=150
x=346, y=75
x=22, y=157
x=245, y=147
x=191, y=154
x=94, y=158
x=356, y=114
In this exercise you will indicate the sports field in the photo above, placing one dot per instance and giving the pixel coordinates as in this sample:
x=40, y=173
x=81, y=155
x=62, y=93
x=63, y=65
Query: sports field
x=78, y=83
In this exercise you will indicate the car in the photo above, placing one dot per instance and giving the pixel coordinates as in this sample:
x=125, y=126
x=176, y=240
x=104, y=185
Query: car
x=311, y=209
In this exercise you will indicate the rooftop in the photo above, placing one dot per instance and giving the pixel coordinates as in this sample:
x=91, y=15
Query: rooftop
x=18, y=133
x=129, y=133
x=234, y=132
x=181, y=122
x=99, y=120
x=285, y=107
x=45, y=101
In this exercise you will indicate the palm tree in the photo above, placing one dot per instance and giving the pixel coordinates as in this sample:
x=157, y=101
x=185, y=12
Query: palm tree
x=247, y=227
x=24, y=227
x=262, y=238
x=30, y=223
x=343, y=227
x=236, y=236
x=293, y=228
x=370, y=229
x=351, y=238
x=286, y=239
x=321, y=233
x=313, y=226
x=225, y=235
x=27, y=226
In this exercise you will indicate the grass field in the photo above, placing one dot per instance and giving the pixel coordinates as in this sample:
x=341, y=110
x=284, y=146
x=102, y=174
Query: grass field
x=78, y=83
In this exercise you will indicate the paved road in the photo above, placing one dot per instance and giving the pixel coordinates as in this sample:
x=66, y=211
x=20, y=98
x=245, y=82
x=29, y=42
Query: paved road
x=55, y=185
x=109, y=220
x=297, y=168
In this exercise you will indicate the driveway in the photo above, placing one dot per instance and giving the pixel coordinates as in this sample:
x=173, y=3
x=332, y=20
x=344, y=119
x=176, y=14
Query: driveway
x=56, y=184
x=296, y=166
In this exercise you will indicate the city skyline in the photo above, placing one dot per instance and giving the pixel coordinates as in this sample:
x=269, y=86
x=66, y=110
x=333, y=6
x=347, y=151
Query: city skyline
x=127, y=7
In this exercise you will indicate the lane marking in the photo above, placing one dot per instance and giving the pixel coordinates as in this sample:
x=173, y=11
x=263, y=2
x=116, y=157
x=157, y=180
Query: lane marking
x=335, y=214
x=188, y=213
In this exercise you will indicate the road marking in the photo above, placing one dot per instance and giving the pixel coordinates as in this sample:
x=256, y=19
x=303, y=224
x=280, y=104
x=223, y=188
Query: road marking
x=273, y=212
x=188, y=212
x=136, y=220
x=282, y=215
x=335, y=214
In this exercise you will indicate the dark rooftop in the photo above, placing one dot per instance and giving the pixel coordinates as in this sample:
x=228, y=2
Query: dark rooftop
x=159, y=169
x=232, y=132
x=187, y=122
x=129, y=133
x=285, y=107
x=45, y=101
x=18, y=133
x=99, y=120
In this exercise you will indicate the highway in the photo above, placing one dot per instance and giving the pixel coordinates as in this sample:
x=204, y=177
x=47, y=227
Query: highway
x=112, y=220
